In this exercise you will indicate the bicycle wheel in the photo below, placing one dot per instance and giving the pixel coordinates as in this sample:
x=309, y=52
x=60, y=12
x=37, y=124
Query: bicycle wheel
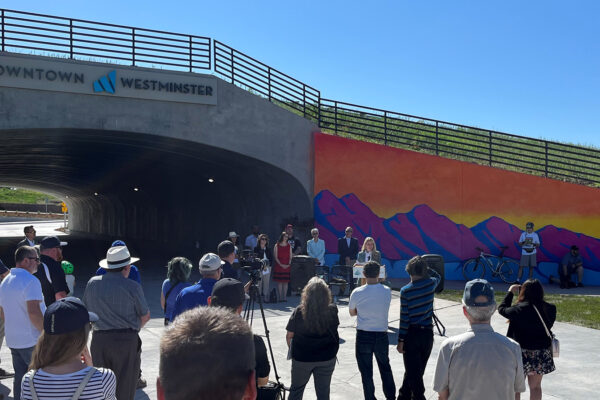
x=473, y=268
x=508, y=271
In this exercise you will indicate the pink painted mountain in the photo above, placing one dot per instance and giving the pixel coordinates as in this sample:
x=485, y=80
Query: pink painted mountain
x=422, y=231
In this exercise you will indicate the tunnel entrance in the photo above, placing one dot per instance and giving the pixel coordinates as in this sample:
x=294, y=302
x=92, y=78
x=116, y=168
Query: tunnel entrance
x=151, y=188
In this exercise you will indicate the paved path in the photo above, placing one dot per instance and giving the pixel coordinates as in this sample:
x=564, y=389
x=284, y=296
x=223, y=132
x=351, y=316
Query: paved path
x=575, y=377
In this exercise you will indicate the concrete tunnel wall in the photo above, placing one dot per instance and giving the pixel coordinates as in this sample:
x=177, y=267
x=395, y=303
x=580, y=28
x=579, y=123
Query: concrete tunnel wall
x=260, y=155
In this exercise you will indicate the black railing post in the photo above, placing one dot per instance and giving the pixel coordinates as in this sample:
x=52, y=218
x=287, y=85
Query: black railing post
x=437, y=139
x=319, y=111
x=335, y=114
x=269, y=79
x=546, y=158
x=2, y=29
x=232, y=66
x=385, y=128
x=133, y=46
x=71, y=38
x=304, y=100
x=191, y=66
x=490, y=148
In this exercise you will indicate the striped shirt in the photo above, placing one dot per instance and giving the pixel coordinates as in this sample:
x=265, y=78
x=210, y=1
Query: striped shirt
x=416, y=303
x=102, y=385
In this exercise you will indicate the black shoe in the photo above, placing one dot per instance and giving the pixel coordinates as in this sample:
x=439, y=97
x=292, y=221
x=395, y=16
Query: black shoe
x=5, y=374
x=141, y=383
x=580, y=284
x=563, y=286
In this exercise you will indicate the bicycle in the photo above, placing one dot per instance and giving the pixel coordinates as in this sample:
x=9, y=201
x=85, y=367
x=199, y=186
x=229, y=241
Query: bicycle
x=506, y=268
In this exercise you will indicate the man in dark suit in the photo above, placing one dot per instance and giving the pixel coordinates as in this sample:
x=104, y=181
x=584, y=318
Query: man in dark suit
x=347, y=248
x=29, y=237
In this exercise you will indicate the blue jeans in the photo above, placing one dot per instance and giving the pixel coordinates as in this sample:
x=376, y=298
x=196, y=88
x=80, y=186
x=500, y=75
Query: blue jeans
x=20, y=360
x=367, y=345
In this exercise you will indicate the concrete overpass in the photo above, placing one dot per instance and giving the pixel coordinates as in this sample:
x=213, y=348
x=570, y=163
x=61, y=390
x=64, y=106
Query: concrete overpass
x=137, y=163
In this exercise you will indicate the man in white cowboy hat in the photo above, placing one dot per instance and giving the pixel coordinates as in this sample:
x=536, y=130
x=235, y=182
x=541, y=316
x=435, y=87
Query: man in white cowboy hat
x=122, y=308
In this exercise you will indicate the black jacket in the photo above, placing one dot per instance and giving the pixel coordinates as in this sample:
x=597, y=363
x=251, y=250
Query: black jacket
x=525, y=326
x=57, y=276
x=345, y=251
x=260, y=253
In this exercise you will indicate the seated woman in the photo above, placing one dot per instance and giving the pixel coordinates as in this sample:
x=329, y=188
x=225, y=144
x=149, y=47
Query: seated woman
x=368, y=253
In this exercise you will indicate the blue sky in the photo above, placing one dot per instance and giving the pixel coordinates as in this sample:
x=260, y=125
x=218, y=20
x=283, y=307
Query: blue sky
x=525, y=67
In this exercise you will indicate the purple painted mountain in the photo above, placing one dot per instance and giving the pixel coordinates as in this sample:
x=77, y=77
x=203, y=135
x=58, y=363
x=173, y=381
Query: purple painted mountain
x=422, y=230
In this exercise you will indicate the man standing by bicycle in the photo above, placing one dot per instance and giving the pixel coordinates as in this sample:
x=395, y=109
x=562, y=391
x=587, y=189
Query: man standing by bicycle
x=529, y=242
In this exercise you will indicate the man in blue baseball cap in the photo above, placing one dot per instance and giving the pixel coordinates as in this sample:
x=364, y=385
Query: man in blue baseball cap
x=465, y=361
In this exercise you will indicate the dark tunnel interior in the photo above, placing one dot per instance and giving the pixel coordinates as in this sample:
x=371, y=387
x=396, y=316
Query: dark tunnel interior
x=97, y=173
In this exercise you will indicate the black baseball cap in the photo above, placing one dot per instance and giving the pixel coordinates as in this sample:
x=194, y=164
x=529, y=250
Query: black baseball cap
x=3, y=268
x=574, y=247
x=50, y=242
x=228, y=292
x=67, y=315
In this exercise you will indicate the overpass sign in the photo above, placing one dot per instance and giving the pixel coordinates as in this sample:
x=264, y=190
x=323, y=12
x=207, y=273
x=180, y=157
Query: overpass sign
x=41, y=73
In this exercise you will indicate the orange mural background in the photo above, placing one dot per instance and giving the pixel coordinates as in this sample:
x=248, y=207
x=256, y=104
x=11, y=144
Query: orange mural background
x=392, y=181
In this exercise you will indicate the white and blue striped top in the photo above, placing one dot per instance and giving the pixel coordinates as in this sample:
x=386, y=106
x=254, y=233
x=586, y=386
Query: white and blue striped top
x=102, y=385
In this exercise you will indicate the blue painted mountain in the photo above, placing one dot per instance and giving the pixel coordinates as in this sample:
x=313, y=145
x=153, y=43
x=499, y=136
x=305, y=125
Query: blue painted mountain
x=422, y=230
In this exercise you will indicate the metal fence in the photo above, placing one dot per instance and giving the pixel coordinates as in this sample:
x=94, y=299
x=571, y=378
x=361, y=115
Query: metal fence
x=94, y=41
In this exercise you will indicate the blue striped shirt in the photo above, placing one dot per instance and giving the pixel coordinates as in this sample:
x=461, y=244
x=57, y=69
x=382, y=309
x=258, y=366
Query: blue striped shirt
x=416, y=303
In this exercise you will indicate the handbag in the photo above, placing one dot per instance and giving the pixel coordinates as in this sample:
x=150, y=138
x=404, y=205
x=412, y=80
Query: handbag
x=555, y=346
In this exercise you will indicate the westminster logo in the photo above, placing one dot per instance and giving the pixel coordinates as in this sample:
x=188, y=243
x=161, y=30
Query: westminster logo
x=106, y=83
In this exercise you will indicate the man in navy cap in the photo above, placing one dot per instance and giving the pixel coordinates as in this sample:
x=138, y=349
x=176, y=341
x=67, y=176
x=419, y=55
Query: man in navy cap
x=50, y=273
x=480, y=363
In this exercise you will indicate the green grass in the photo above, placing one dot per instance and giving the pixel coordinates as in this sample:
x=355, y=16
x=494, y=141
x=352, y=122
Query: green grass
x=24, y=196
x=571, y=308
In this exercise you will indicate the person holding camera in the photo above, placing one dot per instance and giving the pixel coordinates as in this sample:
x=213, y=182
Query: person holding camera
x=370, y=303
x=526, y=326
x=529, y=242
x=415, y=335
x=313, y=339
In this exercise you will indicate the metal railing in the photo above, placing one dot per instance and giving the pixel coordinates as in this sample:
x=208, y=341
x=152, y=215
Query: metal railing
x=79, y=39
x=94, y=41
x=243, y=70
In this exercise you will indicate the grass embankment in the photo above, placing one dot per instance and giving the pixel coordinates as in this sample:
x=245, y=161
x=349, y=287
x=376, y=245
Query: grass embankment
x=571, y=308
x=24, y=196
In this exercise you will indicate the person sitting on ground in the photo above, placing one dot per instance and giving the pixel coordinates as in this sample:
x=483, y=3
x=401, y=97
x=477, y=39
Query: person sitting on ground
x=134, y=272
x=197, y=295
x=371, y=304
x=526, y=326
x=313, y=337
x=68, y=269
x=230, y=294
x=570, y=264
x=61, y=364
x=219, y=341
x=315, y=247
x=415, y=334
x=480, y=363
x=178, y=273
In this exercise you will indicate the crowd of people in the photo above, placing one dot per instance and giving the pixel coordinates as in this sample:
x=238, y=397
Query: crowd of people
x=47, y=330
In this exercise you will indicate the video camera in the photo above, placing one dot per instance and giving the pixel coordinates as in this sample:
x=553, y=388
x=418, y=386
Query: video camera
x=252, y=265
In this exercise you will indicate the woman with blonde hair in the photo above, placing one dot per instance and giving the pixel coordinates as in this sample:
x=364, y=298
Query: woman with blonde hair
x=313, y=339
x=368, y=253
x=61, y=365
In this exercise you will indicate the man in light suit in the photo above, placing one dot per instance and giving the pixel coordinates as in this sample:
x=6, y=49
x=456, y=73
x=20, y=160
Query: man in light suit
x=347, y=248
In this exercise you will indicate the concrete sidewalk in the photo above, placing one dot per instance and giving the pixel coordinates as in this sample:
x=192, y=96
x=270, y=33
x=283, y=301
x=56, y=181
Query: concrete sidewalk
x=575, y=376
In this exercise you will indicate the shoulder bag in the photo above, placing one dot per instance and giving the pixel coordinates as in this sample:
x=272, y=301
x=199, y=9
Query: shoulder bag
x=555, y=346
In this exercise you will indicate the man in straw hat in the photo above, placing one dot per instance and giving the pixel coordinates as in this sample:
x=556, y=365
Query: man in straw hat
x=122, y=308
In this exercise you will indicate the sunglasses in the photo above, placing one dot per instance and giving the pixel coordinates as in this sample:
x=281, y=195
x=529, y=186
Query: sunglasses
x=34, y=258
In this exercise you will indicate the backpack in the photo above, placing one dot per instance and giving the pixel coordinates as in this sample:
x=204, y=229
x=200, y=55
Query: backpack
x=273, y=296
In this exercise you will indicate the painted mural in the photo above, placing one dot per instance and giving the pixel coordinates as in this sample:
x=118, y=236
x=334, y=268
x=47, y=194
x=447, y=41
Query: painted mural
x=413, y=203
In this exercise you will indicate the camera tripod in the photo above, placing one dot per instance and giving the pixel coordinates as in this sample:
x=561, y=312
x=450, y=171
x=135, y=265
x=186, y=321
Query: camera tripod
x=438, y=323
x=248, y=315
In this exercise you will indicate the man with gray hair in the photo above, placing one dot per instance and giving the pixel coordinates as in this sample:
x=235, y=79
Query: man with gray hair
x=479, y=363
